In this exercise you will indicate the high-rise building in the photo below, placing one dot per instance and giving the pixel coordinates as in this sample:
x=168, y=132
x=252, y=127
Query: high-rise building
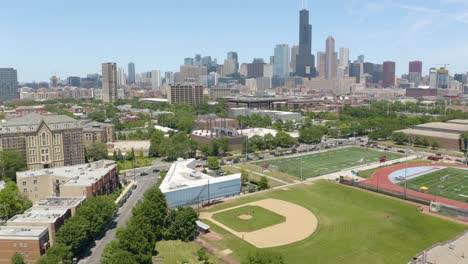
x=8, y=84
x=415, y=66
x=256, y=68
x=388, y=74
x=232, y=55
x=321, y=58
x=294, y=52
x=131, y=73
x=156, y=80
x=197, y=61
x=378, y=73
x=355, y=71
x=305, y=61
x=188, y=94
x=229, y=67
x=460, y=77
x=281, y=61
x=109, y=82
x=191, y=73
x=188, y=62
x=360, y=58
x=344, y=57
x=121, y=77
x=433, y=77
x=74, y=81
x=442, y=78
x=330, y=59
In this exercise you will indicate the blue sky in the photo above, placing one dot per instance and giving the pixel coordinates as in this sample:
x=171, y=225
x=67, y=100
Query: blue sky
x=41, y=38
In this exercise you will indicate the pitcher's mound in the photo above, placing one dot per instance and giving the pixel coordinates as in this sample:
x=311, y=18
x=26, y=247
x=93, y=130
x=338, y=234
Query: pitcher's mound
x=245, y=217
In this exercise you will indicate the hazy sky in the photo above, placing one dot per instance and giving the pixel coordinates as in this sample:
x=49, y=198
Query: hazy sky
x=72, y=38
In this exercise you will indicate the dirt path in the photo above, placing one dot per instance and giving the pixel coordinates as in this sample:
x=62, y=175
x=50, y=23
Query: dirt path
x=214, y=251
x=300, y=223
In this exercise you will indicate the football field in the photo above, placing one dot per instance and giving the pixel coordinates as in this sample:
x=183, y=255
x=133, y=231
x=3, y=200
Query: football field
x=450, y=183
x=317, y=164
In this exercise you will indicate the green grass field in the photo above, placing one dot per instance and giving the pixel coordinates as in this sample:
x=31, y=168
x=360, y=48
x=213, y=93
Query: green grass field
x=354, y=227
x=180, y=252
x=261, y=218
x=314, y=165
x=449, y=183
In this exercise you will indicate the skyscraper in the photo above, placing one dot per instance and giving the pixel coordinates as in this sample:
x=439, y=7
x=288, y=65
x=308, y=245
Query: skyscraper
x=8, y=84
x=388, y=74
x=415, y=66
x=433, y=78
x=330, y=59
x=188, y=62
x=294, y=52
x=360, y=58
x=109, y=82
x=121, y=77
x=321, y=58
x=281, y=61
x=131, y=73
x=344, y=57
x=156, y=80
x=305, y=61
x=232, y=55
x=442, y=78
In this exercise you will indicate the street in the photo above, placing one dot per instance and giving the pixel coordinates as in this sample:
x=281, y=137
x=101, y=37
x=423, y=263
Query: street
x=123, y=215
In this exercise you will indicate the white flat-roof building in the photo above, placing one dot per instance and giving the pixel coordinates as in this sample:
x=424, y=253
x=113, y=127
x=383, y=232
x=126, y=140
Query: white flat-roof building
x=250, y=132
x=30, y=242
x=274, y=115
x=185, y=186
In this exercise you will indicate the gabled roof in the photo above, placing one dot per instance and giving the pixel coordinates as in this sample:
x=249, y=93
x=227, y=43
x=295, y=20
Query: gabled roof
x=32, y=122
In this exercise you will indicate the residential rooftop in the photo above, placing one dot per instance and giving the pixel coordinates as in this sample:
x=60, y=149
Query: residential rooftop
x=250, y=132
x=78, y=175
x=66, y=202
x=182, y=175
x=22, y=232
x=39, y=215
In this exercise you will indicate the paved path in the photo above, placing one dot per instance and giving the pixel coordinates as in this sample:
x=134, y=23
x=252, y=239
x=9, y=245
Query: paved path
x=124, y=214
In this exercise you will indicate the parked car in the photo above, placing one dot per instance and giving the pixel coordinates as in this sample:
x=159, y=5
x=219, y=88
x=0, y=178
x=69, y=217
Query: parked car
x=143, y=174
x=155, y=170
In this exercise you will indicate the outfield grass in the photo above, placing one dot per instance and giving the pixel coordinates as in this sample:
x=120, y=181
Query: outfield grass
x=261, y=218
x=252, y=176
x=275, y=174
x=181, y=252
x=354, y=227
x=449, y=183
x=317, y=164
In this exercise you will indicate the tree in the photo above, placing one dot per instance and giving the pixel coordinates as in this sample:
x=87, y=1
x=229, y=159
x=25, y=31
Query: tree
x=140, y=154
x=114, y=155
x=17, y=259
x=74, y=234
x=202, y=256
x=263, y=257
x=155, y=142
x=399, y=137
x=97, y=151
x=417, y=141
x=131, y=155
x=113, y=254
x=289, y=125
x=119, y=155
x=180, y=224
x=278, y=125
x=58, y=253
x=435, y=144
x=425, y=142
x=269, y=141
x=213, y=163
x=14, y=200
x=244, y=176
x=263, y=183
x=283, y=139
x=310, y=135
x=10, y=163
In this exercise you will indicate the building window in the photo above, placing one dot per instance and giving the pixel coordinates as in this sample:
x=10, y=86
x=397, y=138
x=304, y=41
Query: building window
x=24, y=183
x=15, y=244
x=25, y=190
x=35, y=181
x=44, y=139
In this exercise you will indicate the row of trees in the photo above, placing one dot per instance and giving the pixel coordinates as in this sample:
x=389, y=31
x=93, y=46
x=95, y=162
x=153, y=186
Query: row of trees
x=12, y=200
x=281, y=139
x=402, y=138
x=152, y=221
x=75, y=235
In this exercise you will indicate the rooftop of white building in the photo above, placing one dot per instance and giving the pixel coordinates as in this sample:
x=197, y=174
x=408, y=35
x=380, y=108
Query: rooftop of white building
x=78, y=175
x=39, y=215
x=182, y=175
x=22, y=232
x=250, y=132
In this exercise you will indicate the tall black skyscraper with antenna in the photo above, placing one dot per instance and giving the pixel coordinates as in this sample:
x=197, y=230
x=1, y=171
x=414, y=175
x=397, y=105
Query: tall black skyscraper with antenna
x=305, y=61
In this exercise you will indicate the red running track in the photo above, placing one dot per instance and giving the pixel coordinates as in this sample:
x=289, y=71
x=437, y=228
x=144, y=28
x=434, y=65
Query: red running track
x=380, y=180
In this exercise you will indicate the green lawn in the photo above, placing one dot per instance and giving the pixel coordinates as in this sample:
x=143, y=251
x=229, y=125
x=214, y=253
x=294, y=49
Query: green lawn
x=449, y=183
x=139, y=162
x=252, y=176
x=354, y=227
x=173, y=252
x=261, y=218
x=317, y=164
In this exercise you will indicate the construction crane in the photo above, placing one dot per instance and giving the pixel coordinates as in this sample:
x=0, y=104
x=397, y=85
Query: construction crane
x=445, y=65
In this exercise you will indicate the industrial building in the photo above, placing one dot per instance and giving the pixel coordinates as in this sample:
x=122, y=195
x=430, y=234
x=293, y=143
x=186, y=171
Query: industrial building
x=96, y=178
x=448, y=135
x=184, y=185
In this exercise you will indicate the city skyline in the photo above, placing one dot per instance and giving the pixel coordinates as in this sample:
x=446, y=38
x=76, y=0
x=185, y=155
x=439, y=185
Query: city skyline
x=39, y=46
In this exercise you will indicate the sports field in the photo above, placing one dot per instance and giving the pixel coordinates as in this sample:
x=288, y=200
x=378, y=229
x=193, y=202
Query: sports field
x=450, y=183
x=317, y=164
x=248, y=218
x=353, y=227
